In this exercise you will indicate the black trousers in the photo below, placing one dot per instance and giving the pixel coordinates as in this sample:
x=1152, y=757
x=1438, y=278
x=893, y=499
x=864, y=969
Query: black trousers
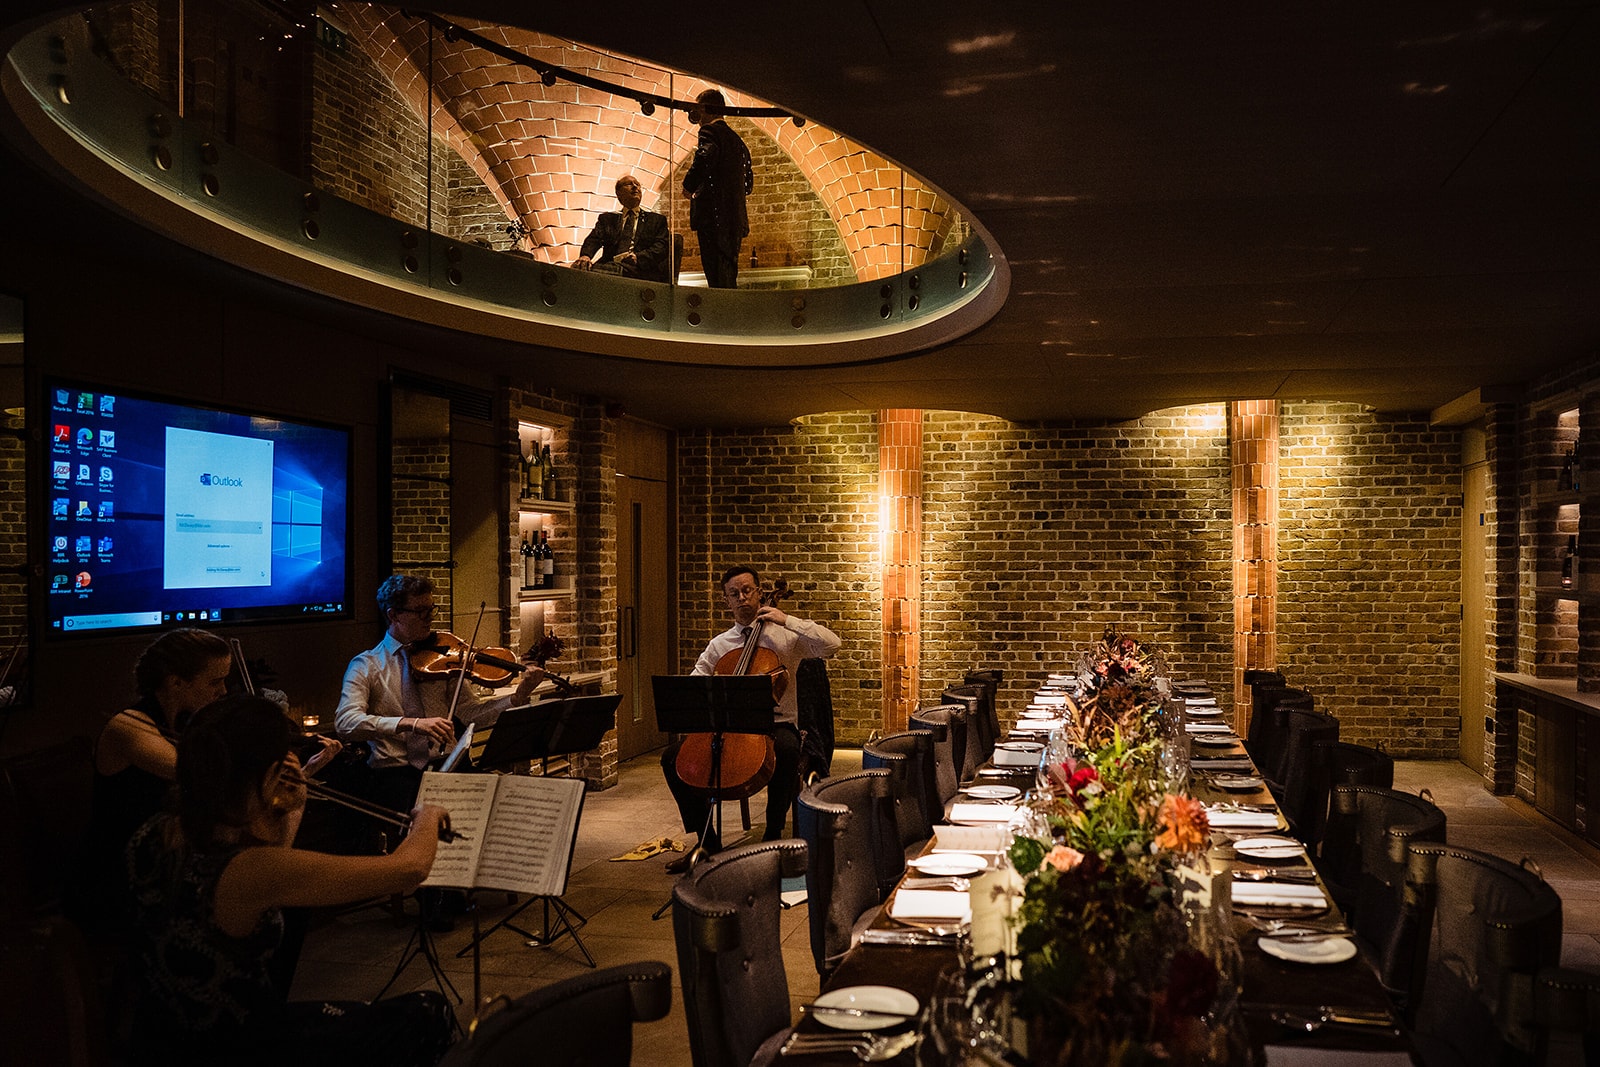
x=721, y=266
x=694, y=806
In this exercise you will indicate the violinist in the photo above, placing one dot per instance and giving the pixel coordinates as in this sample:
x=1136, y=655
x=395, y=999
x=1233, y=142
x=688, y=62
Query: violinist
x=792, y=640
x=136, y=760
x=407, y=720
x=210, y=884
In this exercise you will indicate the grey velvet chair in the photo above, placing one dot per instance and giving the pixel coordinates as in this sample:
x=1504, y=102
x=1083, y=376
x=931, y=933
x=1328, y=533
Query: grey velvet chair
x=848, y=823
x=948, y=725
x=730, y=957
x=908, y=757
x=1566, y=1017
x=979, y=746
x=1302, y=781
x=588, y=1019
x=1350, y=764
x=1363, y=862
x=1268, y=733
x=1483, y=927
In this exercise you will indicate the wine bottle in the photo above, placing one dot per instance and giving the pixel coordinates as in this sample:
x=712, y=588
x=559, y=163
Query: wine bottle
x=1569, y=562
x=528, y=461
x=547, y=470
x=1566, y=480
x=548, y=564
x=529, y=576
x=536, y=475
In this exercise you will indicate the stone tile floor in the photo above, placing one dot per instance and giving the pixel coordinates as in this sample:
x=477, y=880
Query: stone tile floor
x=354, y=955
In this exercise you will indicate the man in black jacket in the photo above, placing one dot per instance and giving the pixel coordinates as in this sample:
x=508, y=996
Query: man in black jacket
x=631, y=242
x=718, y=181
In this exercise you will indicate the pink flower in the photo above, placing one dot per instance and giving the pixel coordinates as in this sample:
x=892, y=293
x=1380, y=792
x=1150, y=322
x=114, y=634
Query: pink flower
x=1063, y=858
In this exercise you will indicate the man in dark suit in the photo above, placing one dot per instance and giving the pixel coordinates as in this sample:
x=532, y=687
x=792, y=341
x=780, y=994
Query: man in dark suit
x=718, y=181
x=631, y=242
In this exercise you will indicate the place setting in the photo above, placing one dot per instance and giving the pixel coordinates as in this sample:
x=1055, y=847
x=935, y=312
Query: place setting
x=870, y=1022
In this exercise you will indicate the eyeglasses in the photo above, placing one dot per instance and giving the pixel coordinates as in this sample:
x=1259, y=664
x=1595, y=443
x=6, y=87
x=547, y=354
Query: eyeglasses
x=422, y=613
x=735, y=594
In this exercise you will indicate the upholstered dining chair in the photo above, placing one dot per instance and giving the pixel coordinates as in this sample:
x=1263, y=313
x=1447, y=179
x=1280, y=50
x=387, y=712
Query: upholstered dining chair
x=1268, y=733
x=853, y=860
x=1301, y=782
x=1482, y=928
x=1363, y=862
x=1351, y=764
x=980, y=745
x=1565, y=1008
x=584, y=1020
x=948, y=725
x=988, y=722
x=730, y=956
x=908, y=757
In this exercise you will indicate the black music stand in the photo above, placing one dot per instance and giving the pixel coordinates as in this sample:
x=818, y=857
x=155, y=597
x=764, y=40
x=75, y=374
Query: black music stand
x=537, y=732
x=714, y=704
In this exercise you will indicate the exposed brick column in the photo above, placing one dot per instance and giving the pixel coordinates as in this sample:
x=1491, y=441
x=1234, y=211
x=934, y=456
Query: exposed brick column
x=1500, y=739
x=1253, y=454
x=900, y=534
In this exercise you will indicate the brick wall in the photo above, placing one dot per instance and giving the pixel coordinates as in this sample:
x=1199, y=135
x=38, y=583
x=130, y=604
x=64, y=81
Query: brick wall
x=1368, y=586
x=1036, y=537
x=420, y=509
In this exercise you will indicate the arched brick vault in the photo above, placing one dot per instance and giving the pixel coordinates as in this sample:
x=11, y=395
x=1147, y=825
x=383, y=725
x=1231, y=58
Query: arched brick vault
x=550, y=155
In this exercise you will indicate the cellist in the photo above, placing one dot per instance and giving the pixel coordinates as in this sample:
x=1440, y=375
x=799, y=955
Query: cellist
x=791, y=639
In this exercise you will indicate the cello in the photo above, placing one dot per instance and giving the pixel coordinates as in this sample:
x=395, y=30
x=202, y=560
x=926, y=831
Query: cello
x=747, y=761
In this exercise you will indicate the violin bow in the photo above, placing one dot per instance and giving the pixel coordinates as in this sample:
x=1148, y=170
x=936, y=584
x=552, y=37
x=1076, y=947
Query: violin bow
x=466, y=659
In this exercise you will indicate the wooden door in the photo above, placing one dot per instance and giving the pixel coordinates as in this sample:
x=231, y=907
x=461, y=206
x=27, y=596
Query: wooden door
x=1474, y=653
x=644, y=593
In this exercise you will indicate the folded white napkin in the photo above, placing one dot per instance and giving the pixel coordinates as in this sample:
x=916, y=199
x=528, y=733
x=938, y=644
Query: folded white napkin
x=1224, y=763
x=931, y=904
x=1278, y=895
x=982, y=813
x=1242, y=820
x=1208, y=727
x=1198, y=701
x=970, y=838
x=1025, y=754
x=1309, y=1056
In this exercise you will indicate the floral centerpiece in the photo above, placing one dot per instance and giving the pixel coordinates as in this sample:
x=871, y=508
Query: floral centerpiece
x=1110, y=973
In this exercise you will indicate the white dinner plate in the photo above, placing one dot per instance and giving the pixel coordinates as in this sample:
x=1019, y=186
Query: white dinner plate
x=1204, y=711
x=949, y=864
x=1237, y=781
x=1269, y=848
x=1322, y=950
x=897, y=1004
x=993, y=792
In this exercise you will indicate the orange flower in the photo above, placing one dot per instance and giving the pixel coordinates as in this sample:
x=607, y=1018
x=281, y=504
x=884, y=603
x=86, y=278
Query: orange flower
x=1184, y=825
x=1063, y=858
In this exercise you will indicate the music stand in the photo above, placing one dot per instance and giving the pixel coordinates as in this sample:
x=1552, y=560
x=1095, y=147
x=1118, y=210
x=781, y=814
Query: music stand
x=539, y=731
x=714, y=704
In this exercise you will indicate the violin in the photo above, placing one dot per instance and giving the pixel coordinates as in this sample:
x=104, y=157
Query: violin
x=441, y=654
x=747, y=760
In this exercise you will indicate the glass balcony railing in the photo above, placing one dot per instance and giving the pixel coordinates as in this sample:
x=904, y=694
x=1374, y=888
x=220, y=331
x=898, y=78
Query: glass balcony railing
x=469, y=162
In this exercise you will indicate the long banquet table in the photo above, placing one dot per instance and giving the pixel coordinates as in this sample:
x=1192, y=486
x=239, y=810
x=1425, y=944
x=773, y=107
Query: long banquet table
x=1268, y=985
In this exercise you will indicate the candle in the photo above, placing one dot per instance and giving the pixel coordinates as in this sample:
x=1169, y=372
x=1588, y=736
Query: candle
x=311, y=720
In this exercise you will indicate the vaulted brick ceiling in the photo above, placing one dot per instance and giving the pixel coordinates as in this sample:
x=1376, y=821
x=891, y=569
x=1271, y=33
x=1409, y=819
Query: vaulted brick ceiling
x=550, y=154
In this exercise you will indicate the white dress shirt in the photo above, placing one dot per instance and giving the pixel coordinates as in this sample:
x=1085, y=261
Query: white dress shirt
x=795, y=640
x=379, y=691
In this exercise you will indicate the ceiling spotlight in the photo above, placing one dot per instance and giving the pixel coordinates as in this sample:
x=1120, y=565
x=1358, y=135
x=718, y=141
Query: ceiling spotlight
x=549, y=76
x=647, y=107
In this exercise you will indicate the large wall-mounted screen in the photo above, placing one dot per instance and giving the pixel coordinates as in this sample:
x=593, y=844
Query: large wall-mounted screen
x=163, y=514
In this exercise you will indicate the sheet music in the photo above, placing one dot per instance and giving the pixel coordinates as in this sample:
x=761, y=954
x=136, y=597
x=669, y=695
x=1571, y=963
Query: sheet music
x=530, y=835
x=520, y=831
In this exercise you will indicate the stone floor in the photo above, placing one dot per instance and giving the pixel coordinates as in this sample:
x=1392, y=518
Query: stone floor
x=353, y=956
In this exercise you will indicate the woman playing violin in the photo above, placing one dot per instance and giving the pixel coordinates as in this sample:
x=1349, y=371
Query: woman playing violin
x=791, y=639
x=209, y=884
x=136, y=758
x=407, y=720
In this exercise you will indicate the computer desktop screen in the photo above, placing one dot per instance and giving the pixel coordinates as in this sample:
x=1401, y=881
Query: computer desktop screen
x=161, y=514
